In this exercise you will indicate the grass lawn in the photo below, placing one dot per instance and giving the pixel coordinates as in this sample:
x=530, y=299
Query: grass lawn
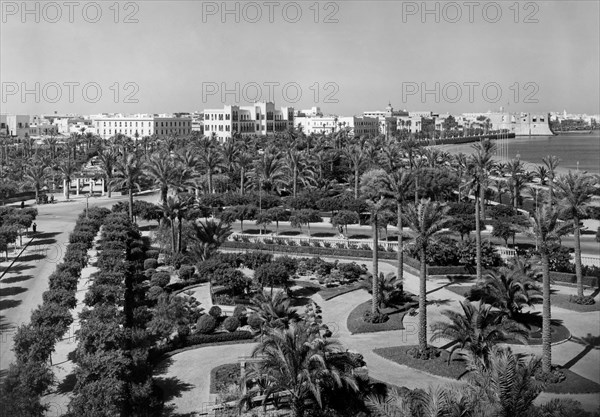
x=438, y=366
x=573, y=384
x=356, y=324
x=224, y=375
x=562, y=301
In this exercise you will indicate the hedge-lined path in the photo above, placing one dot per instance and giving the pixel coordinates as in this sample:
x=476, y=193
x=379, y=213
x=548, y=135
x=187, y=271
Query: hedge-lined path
x=62, y=361
x=29, y=276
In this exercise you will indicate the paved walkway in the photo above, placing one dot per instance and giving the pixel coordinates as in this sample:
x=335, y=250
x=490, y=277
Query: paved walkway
x=62, y=364
x=196, y=379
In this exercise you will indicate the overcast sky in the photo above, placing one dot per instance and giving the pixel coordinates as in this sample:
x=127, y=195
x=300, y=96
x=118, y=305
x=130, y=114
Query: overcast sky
x=349, y=57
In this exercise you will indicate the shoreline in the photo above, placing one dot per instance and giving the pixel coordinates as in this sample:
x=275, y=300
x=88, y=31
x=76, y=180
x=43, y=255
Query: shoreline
x=467, y=149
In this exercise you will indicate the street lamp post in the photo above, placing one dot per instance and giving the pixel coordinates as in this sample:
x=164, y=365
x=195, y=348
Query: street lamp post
x=87, y=205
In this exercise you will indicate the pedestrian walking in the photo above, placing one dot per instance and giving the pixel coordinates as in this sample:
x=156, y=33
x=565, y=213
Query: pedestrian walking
x=34, y=227
x=23, y=204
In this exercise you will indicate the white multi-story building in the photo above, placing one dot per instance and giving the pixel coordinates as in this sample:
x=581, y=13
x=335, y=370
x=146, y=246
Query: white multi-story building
x=16, y=125
x=319, y=125
x=261, y=118
x=360, y=125
x=140, y=125
x=312, y=112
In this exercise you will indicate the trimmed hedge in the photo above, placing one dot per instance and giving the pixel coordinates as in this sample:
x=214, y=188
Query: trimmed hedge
x=572, y=279
x=150, y=263
x=52, y=318
x=198, y=339
x=350, y=253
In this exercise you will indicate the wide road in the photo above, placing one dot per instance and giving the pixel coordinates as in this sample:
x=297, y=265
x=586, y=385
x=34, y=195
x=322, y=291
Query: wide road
x=22, y=286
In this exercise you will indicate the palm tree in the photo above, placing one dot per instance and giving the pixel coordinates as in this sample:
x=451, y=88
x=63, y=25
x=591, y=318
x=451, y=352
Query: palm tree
x=129, y=170
x=547, y=230
x=508, y=289
x=274, y=310
x=507, y=383
x=356, y=157
x=574, y=191
x=268, y=170
x=480, y=165
x=294, y=159
x=36, y=174
x=208, y=236
x=162, y=170
x=108, y=158
x=372, y=188
x=212, y=161
x=426, y=220
x=303, y=365
x=175, y=209
x=67, y=168
x=551, y=162
x=477, y=329
x=519, y=176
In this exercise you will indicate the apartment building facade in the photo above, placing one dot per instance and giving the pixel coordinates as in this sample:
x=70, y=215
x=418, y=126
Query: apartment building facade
x=140, y=125
x=261, y=118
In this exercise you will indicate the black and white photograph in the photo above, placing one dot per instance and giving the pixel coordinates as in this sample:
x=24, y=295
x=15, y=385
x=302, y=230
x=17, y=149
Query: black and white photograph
x=310, y=208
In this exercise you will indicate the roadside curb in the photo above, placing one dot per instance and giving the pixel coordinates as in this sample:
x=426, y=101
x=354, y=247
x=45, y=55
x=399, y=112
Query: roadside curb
x=17, y=257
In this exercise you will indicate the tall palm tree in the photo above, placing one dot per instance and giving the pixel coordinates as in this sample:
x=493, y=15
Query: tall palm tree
x=519, y=177
x=398, y=184
x=373, y=187
x=356, y=158
x=268, y=170
x=293, y=159
x=163, y=171
x=175, y=209
x=477, y=329
x=67, y=169
x=426, y=220
x=481, y=164
x=36, y=174
x=129, y=170
x=551, y=162
x=108, y=159
x=212, y=161
x=304, y=365
x=547, y=230
x=574, y=192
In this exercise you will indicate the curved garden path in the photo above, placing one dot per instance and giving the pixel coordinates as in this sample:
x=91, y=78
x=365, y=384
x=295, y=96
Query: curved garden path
x=190, y=370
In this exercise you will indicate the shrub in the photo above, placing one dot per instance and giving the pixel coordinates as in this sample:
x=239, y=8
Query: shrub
x=586, y=300
x=149, y=272
x=215, y=311
x=255, y=321
x=240, y=311
x=152, y=253
x=378, y=317
x=289, y=263
x=61, y=297
x=154, y=292
x=224, y=300
x=206, y=324
x=160, y=279
x=273, y=274
x=186, y=272
x=231, y=324
x=150, y=263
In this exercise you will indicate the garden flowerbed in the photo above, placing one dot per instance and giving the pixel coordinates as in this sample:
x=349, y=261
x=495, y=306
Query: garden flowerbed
x=224, y=375
x=356, y=323
x=436, y=366
x=573, y=384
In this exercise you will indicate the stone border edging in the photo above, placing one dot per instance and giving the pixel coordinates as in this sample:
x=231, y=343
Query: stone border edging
x=201, y=345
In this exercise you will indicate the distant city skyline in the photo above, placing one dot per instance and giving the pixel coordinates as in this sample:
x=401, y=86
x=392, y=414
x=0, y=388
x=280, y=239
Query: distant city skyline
x=180, y=56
